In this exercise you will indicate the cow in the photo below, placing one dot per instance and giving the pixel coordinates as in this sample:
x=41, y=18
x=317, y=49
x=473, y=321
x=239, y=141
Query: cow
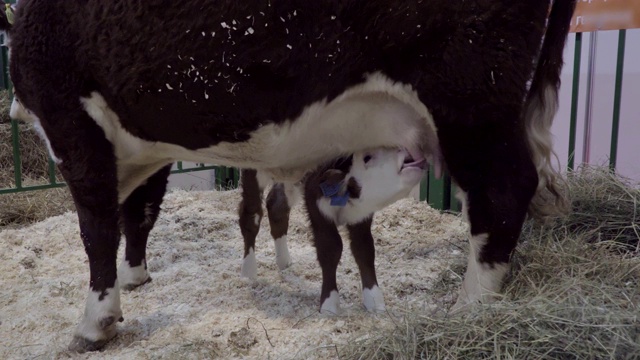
x=123, y=88
x=344, y=192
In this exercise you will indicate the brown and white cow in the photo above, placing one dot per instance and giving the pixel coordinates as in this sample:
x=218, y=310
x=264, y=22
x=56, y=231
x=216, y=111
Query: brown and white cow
x=344, y=192
x=124, y=88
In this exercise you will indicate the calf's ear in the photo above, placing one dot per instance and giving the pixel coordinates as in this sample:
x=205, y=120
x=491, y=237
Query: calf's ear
x=331, y=182
x=332, y=177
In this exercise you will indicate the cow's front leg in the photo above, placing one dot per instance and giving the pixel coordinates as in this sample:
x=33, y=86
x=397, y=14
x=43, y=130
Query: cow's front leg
x=89, y=169
x=97, y=212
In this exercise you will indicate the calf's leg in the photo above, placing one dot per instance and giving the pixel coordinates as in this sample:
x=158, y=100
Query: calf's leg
x=250, y=212
x=278, y=211
x=363, y=251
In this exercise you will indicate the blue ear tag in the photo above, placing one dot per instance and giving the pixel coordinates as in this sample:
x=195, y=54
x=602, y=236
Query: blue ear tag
x=329, y=190
x=337, y=200
x=332, y=191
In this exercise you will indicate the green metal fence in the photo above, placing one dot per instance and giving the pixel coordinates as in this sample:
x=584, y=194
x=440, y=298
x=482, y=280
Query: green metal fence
x=440, y=193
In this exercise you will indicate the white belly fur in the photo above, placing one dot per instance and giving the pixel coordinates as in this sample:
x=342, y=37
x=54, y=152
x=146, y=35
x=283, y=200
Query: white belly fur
x=376, y=113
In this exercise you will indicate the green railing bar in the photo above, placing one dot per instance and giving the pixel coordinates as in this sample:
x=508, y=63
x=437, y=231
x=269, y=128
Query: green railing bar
x=15, y=140
x=616, y=100
x=182, y=170
x=52, y=172
x=179, y=164
x=30, y=188
x=575, y=92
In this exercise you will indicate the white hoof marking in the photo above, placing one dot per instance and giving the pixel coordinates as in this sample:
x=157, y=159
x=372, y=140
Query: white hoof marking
x=373, y=299
x=282, y=253
x=250, y=266
x=95, y=326
x=331, y=305
x=482, y=282
x=131, y=277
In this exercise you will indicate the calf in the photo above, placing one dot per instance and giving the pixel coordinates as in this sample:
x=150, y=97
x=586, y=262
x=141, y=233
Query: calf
x=346, y=192
x=124, y=88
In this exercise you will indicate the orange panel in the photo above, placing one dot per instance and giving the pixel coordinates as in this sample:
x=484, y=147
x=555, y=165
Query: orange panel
x=592, y=15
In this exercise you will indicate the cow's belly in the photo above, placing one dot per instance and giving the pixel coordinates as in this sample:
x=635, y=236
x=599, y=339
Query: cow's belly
x=377, y=113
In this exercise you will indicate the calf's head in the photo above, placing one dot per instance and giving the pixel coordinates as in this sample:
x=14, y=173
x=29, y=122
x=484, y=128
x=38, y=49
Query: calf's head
x=374, y=180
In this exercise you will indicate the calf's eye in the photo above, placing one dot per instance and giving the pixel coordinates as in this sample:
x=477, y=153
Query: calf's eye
x=367, y=158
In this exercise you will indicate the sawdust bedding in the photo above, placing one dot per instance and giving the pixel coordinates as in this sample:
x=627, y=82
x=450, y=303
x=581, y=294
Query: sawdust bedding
x=197, y=305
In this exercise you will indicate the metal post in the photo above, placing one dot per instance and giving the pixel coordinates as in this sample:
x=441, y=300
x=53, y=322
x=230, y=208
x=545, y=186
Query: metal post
x=575, y=93
x=17, y=164
x=586, y=150
x=616, y=100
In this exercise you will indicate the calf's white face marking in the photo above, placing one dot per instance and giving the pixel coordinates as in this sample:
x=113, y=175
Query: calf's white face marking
x=383, y=177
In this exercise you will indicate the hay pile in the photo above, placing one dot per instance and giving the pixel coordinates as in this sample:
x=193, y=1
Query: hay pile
x=573, y=293
x=5, y=106
x=28, y=207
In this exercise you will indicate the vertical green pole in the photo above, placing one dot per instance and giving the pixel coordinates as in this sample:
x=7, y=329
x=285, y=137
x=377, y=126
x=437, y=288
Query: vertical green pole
x=574, y=100
x=219, y=172
x=5, y=70
x=616, y=100
x=17, y=165
x=455, y=204
x=179, y=165
x=424, y=187
x=439, y=191
x=52, y=172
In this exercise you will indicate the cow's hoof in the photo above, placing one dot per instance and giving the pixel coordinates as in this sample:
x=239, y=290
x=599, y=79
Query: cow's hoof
x=249, y=266
x=373, y=300
x=331, y=305
x=283, y=259
x=82, y=344
x=132, y=277
x=132, y=286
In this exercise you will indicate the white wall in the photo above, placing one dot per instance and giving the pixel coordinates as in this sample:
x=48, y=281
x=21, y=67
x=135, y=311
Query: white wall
x=628, y=163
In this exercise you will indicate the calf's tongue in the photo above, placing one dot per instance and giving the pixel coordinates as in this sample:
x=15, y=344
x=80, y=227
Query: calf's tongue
x=415, y=153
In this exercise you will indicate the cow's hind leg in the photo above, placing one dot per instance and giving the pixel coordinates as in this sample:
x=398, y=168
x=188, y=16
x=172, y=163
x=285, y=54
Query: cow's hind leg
x=138, y=214
x=279, y=203
x=363, y=250
x=250, y=216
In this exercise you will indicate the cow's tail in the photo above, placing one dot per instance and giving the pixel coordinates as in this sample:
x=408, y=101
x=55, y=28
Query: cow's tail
x=541, y=105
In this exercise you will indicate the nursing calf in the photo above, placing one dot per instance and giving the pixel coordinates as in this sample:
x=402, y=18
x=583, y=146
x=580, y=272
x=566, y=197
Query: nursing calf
x=121, y=89
x=346, y=191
